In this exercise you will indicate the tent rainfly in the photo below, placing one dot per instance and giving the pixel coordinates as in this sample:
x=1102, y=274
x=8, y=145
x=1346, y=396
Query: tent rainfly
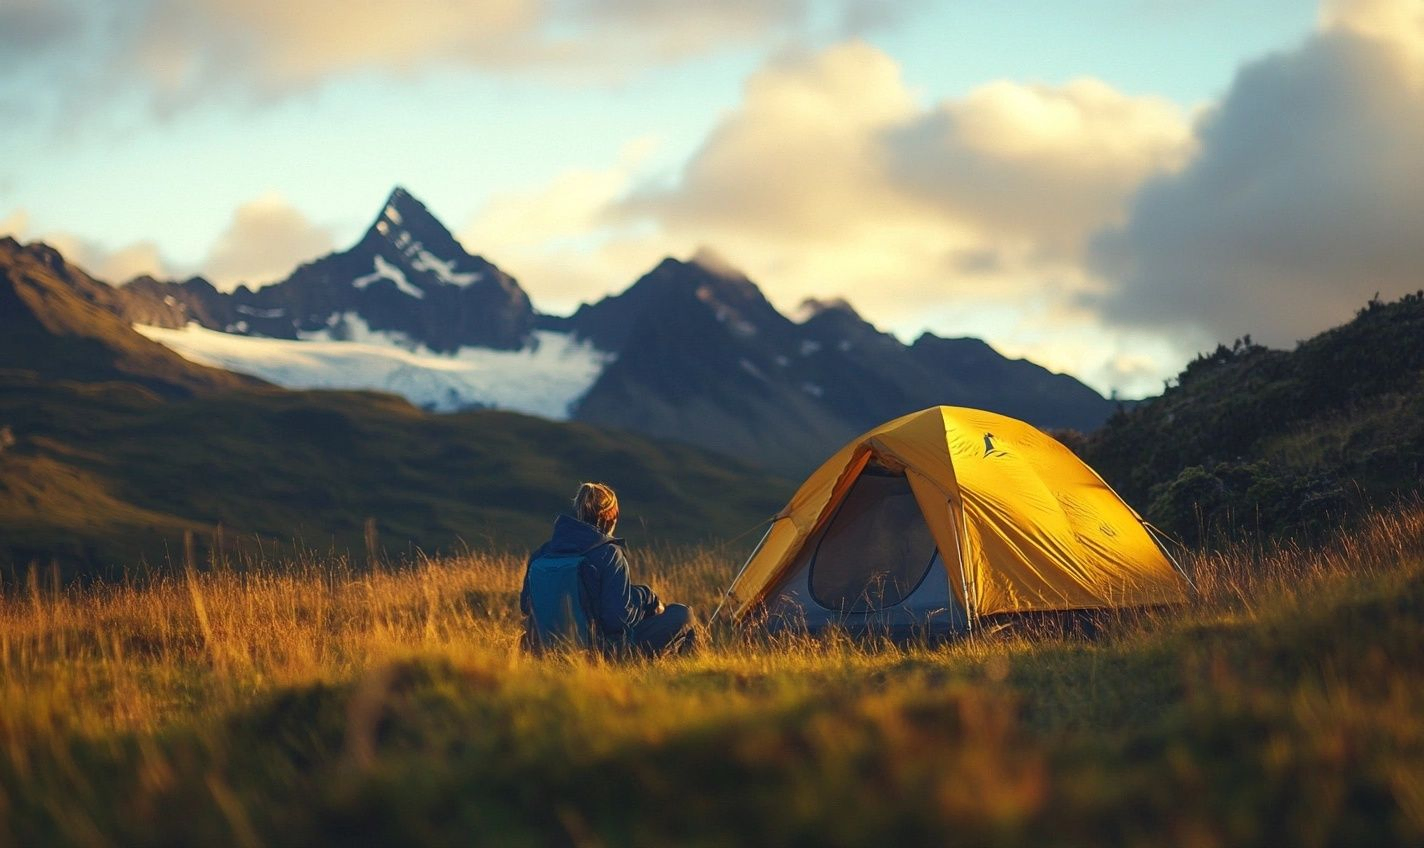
x=932, y=521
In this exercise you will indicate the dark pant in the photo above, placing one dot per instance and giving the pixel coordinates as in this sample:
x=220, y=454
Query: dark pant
x=670, y=632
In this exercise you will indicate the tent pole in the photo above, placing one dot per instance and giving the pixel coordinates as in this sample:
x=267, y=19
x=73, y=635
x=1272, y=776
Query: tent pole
x=963, y=575
x=727, y=594
x=1162, y=538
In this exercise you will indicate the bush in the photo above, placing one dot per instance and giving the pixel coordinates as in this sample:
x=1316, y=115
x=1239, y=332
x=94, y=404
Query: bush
x=1231, y=500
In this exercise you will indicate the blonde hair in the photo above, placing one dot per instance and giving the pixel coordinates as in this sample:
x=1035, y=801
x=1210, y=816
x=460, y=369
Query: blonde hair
x=596, y=504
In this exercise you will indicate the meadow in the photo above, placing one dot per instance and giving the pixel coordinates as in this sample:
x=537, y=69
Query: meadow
x=321, y=700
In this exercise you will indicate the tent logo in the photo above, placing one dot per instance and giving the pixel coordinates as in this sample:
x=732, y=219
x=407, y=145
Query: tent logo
x=989, y=447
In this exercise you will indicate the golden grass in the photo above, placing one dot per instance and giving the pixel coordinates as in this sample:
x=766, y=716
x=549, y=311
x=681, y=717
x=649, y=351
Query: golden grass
x=103, y=665
x=104, y=658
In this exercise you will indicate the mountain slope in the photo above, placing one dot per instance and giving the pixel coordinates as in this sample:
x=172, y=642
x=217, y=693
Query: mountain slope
x=703, y=357
x=1251, y=438
x=57, y=322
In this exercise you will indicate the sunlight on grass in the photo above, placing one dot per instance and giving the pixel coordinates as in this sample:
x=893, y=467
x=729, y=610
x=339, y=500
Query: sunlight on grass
x=317, y=700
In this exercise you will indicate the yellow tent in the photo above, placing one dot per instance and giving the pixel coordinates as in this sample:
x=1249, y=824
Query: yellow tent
x=943, y=516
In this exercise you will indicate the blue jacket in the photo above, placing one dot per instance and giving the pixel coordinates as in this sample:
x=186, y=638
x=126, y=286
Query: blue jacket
x=612, y=602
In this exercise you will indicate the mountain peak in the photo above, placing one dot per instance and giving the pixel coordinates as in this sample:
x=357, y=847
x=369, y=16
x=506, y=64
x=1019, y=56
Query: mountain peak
x=715, y=264
x=814, y=306
x=404, y=211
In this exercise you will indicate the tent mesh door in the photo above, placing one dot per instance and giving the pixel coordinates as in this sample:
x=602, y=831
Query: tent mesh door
x=876, y=549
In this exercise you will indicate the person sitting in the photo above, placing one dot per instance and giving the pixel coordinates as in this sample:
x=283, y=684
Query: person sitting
x=577, y=592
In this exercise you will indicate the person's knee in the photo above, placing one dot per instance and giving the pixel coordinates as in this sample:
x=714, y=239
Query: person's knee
x=679, y=615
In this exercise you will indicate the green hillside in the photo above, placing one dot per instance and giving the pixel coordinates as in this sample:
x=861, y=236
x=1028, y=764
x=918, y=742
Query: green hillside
x=100, y=474
x=1251, y=439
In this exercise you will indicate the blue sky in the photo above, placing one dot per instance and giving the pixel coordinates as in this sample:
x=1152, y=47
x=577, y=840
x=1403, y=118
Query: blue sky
x=966, y=168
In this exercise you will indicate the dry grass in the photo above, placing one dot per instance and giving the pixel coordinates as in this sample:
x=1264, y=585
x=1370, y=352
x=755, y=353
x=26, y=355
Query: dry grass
x=1287, y=693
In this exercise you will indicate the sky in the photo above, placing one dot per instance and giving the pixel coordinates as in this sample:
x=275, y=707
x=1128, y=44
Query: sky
x=1106, y=187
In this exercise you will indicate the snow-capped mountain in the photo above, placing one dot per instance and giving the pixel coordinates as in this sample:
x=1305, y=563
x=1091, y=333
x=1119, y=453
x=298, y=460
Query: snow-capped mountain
x=407, y=275
x=692, y=351
x=405, y=310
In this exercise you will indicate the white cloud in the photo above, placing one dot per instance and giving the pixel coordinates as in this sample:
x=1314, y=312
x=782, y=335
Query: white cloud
x=112, y=265
x=1307, y=196
x=266, y=239
x=831, y=177
x=187, y=49
x=1397, y=23
x=831, y=172
x=1047, y=163
x=15, y=224
x=177, y=53
x=559, y=240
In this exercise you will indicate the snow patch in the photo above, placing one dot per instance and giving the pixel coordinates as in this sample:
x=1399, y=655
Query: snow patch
x=351, y=327
x=545, y=378
x=809, y=346
x=387, y=271
x=812, y=389
x=444, y=269
x=261, y=313
x=393, y=215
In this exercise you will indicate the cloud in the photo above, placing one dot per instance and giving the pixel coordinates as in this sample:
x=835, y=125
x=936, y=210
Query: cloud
x=1396, y=23
x=265, y=240
x=177, y=53
x=1306, y=198
x=558, y=238
x=117, y=265
x=187, y=49
x=29, y=28
x=103, y=263
x=1047, y=163
x=15, y=224
x=799, y=156
x=833, y=149
x=831, y=177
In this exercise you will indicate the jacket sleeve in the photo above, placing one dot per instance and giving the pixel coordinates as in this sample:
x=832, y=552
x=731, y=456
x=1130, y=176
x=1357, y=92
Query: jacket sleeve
x=620, y=604
x=524, y=586
x=644, y=596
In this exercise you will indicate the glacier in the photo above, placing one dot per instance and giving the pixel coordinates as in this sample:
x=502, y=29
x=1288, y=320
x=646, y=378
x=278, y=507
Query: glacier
x=544, y=378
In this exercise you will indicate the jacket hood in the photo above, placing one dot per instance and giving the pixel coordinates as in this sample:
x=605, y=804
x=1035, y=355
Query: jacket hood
x=572, y=536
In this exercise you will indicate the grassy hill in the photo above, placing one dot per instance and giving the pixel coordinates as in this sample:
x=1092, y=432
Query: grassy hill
x=101, y=474
x=1280, y=441
x=307, y=704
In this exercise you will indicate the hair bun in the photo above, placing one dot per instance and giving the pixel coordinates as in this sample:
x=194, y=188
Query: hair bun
x=596, y=504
